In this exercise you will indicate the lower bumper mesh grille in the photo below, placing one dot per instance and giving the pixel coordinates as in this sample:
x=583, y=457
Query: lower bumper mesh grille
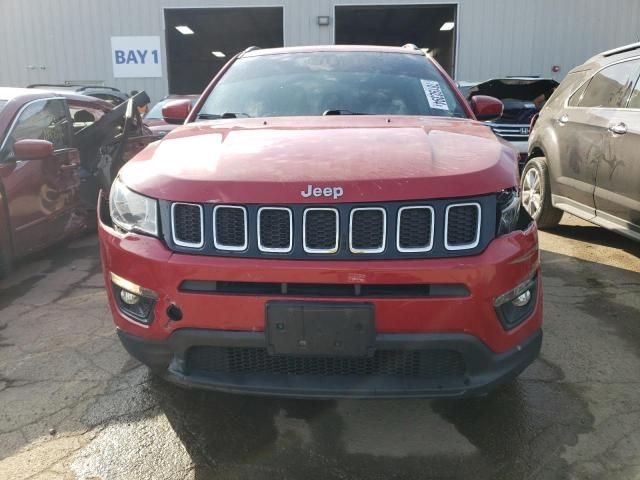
x=424, y=364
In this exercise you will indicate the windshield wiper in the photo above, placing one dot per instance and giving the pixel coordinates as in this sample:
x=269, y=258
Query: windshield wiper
x=343, y=112
x=216, y=116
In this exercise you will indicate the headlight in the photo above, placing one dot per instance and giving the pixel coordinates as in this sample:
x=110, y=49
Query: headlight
x=508, y=211
x=131, y=211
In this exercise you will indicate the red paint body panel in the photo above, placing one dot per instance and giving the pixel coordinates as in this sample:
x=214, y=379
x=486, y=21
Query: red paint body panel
x=371, y=158
x=505, y=263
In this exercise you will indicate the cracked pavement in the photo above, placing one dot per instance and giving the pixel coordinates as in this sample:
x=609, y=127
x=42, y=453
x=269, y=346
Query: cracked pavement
x=74, y=405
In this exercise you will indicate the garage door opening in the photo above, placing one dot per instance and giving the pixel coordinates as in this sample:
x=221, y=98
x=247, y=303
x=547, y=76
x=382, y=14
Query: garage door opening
x=429, y=27
x=201, y=40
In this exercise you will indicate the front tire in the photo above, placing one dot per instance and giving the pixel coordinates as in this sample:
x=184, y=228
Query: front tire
x=536, y=194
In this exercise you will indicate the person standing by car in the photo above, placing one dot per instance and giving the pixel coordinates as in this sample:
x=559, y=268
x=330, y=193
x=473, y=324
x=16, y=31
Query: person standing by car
x=142, y=109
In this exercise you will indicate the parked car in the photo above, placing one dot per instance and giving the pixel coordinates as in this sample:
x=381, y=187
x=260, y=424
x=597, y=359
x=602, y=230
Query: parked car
x=357, y=233
x=522, y=98
x=109, y=94
x=154, y=120
x=56, y=150
x=583, y=151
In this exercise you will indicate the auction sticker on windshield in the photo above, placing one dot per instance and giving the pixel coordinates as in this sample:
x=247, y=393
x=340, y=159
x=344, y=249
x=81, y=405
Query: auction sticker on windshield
x=434, y=95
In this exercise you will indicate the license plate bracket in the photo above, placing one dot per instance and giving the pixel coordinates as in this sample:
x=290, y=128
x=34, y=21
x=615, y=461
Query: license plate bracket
x=320, y=328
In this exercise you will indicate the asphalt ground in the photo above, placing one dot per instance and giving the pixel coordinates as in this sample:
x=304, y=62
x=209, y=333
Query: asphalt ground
x=74, y=405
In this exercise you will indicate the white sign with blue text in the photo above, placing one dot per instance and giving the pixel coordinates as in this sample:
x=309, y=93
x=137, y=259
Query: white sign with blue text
x=136, y=57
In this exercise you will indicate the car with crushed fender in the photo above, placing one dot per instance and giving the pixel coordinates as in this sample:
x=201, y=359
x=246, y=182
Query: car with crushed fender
x=57, y=150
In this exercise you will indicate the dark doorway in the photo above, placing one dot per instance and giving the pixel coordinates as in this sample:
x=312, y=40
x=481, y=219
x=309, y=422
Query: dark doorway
x=397, y=25
x=218, y=34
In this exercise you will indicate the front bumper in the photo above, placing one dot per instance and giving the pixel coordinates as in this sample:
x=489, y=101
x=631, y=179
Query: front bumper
x=463, y=325
x=483, y=369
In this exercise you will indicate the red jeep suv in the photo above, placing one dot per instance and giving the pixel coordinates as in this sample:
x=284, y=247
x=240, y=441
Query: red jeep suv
x=330, y=221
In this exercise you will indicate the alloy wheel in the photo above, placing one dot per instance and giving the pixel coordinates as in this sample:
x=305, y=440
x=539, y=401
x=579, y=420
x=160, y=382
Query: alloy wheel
x=532, y=192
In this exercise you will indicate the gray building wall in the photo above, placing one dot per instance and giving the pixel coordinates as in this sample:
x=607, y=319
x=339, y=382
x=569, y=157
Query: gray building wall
x=52, y=41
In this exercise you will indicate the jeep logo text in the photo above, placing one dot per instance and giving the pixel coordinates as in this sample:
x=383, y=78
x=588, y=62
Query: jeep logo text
x=335, y=192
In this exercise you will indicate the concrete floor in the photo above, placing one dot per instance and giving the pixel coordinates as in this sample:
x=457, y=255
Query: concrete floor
x=74, y=405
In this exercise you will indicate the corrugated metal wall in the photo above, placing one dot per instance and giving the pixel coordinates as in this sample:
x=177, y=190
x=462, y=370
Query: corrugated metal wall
x=58, y=40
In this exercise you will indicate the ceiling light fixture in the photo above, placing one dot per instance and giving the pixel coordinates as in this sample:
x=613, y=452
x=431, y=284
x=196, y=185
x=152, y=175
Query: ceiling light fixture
x=218, y=54
x=446, y=26
x=184, y=29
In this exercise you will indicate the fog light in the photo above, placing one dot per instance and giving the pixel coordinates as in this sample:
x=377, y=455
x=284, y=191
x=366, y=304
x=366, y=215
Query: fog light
x=522, y=300
x=134, y=301
x=129, y=298
x=515, y=306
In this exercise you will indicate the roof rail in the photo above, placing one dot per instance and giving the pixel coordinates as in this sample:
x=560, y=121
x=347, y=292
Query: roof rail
x=249, y=49
x=38, y=85
x=82, y=88
x=623, y=49
x=410, y=46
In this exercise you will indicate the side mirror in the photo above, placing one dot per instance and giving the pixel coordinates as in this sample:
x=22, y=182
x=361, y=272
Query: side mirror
x=32, y=149
x=177, y=111
x=486, y=108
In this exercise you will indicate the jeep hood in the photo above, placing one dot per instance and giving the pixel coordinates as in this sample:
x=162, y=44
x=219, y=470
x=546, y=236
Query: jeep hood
x=372, y=158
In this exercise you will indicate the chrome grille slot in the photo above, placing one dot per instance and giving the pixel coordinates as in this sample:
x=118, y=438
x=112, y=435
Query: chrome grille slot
x=462, y=226
x=230, y=228
x=367, y=230
x=320, y=230
x=275, y=229
x=187, y=225
x=415, y=229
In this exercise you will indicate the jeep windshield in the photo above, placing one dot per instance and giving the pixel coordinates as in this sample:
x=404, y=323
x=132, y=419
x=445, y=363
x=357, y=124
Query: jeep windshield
x=331, y=83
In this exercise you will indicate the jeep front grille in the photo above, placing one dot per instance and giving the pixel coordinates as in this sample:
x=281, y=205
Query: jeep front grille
x=367, y=230
x=230, y=227
x=320, y=230
x=415, y=229
x=275, y=229
x=462, y=226
x=187, y=225
x=437, y=228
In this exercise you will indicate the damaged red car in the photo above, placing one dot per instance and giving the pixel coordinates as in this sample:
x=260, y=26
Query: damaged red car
x=330, y=221
x=56, y=151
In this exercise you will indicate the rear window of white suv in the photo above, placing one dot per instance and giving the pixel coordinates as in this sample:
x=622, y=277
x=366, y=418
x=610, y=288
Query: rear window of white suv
x=314, y=83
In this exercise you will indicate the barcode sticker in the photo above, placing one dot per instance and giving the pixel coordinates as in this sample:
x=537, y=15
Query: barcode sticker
x=434, y=94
